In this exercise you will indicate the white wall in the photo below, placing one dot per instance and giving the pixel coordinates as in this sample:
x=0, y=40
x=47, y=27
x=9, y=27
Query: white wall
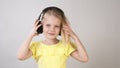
x=96, y=22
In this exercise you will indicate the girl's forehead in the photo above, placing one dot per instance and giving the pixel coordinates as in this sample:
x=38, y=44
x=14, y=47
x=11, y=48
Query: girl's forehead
x=49, y=18
x=46, y=16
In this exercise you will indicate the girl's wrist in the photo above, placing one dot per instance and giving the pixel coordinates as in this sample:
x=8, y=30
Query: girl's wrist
x=31, y=35
x=74, y=37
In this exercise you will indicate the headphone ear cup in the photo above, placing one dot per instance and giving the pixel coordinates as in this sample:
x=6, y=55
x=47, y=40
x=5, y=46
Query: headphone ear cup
x=60, y=33
x=40, y=29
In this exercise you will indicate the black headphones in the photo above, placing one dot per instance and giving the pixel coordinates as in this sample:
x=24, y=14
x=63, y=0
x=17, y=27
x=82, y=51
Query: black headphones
x=40, y=29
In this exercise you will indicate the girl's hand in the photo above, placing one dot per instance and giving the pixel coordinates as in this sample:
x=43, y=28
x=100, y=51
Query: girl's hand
x=69, y=31
x=34, y=29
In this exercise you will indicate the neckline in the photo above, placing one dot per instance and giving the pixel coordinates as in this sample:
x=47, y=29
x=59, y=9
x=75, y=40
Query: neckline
x=51, y=45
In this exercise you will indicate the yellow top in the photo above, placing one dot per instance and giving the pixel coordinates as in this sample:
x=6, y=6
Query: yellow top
x=51, y=56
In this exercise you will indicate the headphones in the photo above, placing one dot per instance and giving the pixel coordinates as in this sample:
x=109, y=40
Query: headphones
x=40, y=29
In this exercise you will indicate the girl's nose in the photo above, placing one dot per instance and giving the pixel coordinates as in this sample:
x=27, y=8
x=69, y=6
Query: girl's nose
x=52, y=28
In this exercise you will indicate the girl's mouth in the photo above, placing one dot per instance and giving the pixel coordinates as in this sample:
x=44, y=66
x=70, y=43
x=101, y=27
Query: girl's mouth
x=51, y=33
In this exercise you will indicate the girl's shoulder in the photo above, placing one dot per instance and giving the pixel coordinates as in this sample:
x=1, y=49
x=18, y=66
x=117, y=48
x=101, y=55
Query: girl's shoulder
x=35, y=43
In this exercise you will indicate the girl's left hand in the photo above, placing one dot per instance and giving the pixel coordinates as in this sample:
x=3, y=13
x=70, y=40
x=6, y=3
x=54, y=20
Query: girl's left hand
x=69, y=31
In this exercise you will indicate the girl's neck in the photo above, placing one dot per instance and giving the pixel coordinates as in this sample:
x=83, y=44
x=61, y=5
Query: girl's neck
x=50, y=41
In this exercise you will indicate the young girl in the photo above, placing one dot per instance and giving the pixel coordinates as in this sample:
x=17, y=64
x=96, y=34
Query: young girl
x=51, y=52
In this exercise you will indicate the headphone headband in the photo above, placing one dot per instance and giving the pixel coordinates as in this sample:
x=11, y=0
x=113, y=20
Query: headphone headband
x=47, y=9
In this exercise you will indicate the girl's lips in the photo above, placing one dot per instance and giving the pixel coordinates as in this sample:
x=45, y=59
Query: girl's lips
x=51, y=33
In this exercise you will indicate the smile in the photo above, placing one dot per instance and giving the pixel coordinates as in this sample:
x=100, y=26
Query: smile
x=51, y=33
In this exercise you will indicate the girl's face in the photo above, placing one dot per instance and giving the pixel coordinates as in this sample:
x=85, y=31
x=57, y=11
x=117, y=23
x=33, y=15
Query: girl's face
x=51, y=26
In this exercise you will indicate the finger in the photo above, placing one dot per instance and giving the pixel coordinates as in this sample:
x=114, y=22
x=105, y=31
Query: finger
x=67, y=32
x=67, y=27
x=38, y=26
x=36, y=22
x=64, y=25
x=68, y=23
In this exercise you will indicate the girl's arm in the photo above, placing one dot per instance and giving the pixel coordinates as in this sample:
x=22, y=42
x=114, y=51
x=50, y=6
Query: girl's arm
x=80, y=54
x=24, y=52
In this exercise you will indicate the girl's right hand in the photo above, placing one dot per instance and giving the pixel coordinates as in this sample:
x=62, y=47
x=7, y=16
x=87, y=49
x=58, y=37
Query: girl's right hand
x=34, y=29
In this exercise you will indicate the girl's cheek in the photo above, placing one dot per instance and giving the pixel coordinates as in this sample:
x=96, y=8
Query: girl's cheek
x=58, y=29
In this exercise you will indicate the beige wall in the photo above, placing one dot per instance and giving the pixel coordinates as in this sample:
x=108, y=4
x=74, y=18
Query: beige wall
x=96, y=22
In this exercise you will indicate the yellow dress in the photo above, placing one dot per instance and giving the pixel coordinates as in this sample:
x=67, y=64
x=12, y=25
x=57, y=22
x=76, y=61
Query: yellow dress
x=51, y=56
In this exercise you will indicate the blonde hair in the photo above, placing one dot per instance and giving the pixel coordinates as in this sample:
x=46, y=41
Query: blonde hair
x=57, y=12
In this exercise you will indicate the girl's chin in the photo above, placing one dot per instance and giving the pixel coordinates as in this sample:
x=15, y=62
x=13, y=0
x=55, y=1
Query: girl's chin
x=51, y=37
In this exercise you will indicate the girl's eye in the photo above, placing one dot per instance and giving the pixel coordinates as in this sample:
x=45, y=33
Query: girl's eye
x=48, y=25
x=57, y=26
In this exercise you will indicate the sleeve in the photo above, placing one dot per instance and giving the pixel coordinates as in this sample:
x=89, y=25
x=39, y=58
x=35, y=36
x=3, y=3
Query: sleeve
x=70, y=48
x=33, y=49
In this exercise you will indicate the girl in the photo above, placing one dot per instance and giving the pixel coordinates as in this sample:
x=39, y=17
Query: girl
x=51, y=52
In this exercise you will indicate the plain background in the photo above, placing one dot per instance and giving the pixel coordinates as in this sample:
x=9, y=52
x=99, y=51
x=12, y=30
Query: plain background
x=96, y=22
